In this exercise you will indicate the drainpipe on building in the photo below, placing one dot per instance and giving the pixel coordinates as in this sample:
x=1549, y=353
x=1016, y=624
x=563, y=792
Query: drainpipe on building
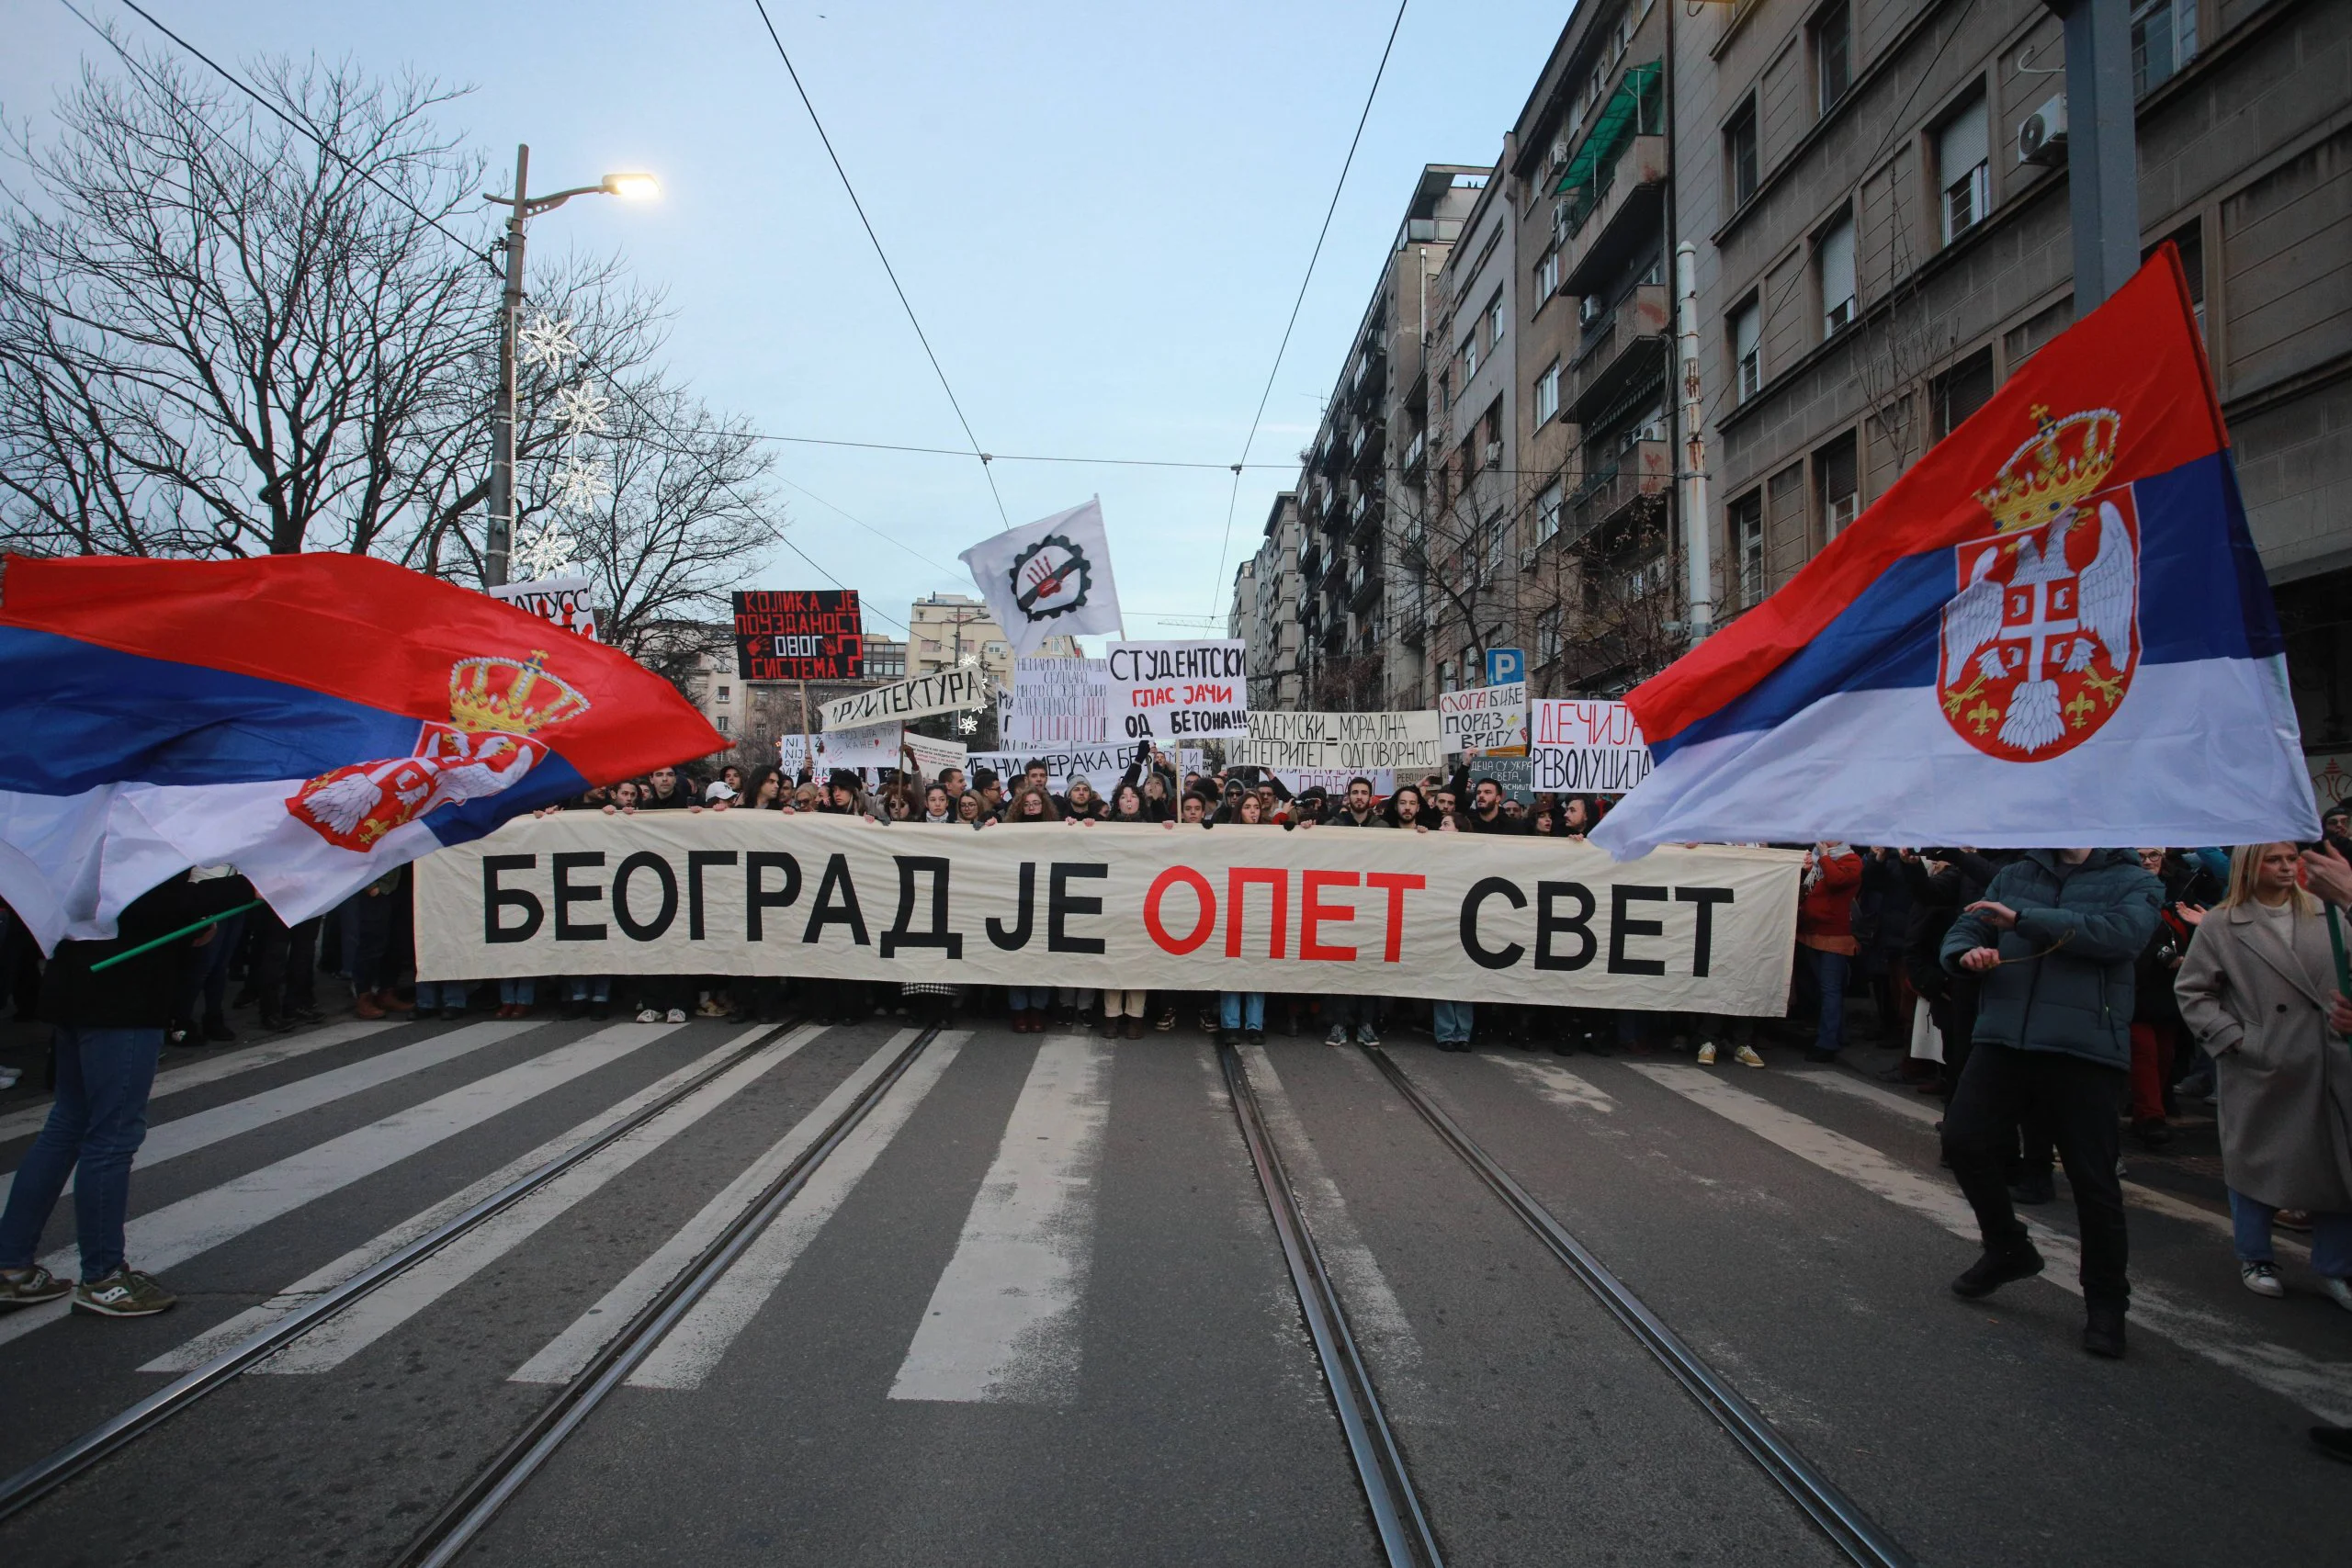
x=1698, y=532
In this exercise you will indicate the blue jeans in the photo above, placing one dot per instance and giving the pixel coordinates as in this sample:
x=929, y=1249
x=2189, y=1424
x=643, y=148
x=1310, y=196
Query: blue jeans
x=208, y=973
x=1829, y=980
x=591, y=988
x=511, y=992
x=97, y=1123
x=431, y=994
x=1023, y=999
x=2250, y=1223
x=1450, y=1020
x=1241, y=1010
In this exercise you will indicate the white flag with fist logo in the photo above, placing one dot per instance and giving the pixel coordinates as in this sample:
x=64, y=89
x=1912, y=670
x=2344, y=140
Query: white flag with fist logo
x=1050, y=577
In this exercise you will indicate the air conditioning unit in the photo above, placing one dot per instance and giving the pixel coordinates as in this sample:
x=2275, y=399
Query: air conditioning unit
x=1560, y=153
x=2041, y=135
x=1494, y=453
x=1527, y=560
x=1560, y=221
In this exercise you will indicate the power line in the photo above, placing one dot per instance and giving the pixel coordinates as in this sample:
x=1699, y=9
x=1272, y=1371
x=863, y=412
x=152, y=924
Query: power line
x=1226, y=544
x=907, y=305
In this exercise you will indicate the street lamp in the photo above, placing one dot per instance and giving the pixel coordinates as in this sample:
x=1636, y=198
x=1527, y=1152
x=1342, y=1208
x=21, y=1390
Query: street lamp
x=523, y=207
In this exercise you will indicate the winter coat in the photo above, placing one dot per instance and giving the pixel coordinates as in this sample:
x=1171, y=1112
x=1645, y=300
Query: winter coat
x=1826, y=913
x=2066, y=980
x=138, y=993
x=2284, y=1080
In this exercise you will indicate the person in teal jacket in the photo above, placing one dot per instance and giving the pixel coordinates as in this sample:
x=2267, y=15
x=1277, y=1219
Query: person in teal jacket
x=2051, y=944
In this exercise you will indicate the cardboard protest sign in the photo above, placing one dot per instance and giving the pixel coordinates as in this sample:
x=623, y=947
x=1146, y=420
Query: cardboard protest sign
x=874, y=746
x=1335, y=781
x=1055, y=701
x=1580, y=748
x=930, y=755
x=1484, y=718
x=1239, y=909
x=1192, y=690
x=1101, y=766
x=796, y=635
x=1315, y=741
x=560, y=600
x=948, y=690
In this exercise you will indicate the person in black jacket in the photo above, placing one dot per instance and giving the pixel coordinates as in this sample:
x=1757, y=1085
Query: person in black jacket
x=109, y=1032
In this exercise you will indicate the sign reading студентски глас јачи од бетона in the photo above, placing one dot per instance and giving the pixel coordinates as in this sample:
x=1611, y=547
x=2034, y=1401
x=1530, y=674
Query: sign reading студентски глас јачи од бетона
x=1192, y=690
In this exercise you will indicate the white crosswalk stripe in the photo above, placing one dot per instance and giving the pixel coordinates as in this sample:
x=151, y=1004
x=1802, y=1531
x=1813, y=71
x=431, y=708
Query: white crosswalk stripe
x=180, y=1231
x=689, y=1352
x=1553, y=1082
x=563, y=1355
x=185, y=1135
x=2323, y=1388
x=174, y=1079
x=1002, y=1321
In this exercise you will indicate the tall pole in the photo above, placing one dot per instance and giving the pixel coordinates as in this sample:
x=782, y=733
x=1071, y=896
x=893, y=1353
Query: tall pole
x=1698, y=528
x=500, y=535
x=2102, y=152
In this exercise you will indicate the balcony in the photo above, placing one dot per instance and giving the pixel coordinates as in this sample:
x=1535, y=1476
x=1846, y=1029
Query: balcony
x=1645, y=468
x=1310, y=558
x=1370, y=441
x=1364, y=579
x=1625, y=346
x=1335, y=633
x=1416, y=453
x=1371, y=374
x=1368, y=510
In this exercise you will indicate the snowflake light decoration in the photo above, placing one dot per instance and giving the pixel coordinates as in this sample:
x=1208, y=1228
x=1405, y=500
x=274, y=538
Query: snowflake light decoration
x=969, y=660
x=546, y=551
x=580, y=412
x=580, y=484
x=548, y=342
x=966, y=724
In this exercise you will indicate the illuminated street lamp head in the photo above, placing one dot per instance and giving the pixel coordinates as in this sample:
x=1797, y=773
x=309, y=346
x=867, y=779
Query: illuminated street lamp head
x=634, y=185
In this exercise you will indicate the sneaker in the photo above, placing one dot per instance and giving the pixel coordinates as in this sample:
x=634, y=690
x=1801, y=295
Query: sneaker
x=1995, y=1269
x=649, y=1015
x=9, y=1077
x=2338, y=1291
x=1367, y=1035
x=1256, y=1037
x=675, y=1015
x=710, y=1007
x=2261, y=1278
x=1746, y=1057
x=31, y=1286
x=1338, y=1036
x=126, y=1293
x=1706, y=1053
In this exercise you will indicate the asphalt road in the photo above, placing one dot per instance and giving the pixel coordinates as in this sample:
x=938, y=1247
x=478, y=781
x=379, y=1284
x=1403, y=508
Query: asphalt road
x=1032, y=1311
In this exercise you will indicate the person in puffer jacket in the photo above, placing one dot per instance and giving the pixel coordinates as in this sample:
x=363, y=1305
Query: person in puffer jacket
x=2052, y=945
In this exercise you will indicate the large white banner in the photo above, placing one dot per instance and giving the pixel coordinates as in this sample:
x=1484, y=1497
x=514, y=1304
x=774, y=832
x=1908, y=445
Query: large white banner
x=875, y=746
x=1179, y=691
x=1325, y=741
x=949, y=690
x=567, y=601
x=1101, y=766
x=1055, y=701
x=1579, y=747
x=1484, y=718
x=1464, y=917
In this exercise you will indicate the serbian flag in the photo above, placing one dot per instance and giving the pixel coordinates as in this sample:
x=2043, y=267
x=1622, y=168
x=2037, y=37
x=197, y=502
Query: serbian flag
x=315, y=720
x=2053, y=631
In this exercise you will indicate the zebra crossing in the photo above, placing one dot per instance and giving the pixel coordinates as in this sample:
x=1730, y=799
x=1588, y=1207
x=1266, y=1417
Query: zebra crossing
x=1005, y=1318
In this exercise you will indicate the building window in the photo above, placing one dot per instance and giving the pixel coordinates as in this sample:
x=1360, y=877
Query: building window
x=1832, y=260
x=1445, y=391
x=1547, y=511
x=1000, y=651
x=1962, y=390
x=1445, y=681
x=1497, y=545
x=1548, y=394
x=723, y=723
x=1547, y=276
x=1837, y=481
x=1961, y=172
x=1469, y=356
x=1746, y=349
x=1746, y=518
x=722, y=694
x=1495, y=321
x=1547, y=636
x=1833, y=53
x=1739, y=154
x=2163, y=39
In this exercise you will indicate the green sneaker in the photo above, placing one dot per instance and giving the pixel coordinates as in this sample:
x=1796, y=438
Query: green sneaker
x=126, y=1293
x=31, y=1286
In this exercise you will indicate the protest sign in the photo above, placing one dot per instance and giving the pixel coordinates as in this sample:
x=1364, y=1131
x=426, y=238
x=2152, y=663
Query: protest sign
x=1055, y=701
x=1582, y=748
x=862, y=751
x=1335, y=781
x=1242, y=908
x=1323, y=741
x=1101, y=766
x=1196, y=690
x=948, y=690
x=798, y=634
x=930, y=754
x=1484, y=718
x=560, y=600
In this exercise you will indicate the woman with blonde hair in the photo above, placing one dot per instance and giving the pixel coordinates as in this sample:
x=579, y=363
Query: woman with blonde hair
x=2262, y=990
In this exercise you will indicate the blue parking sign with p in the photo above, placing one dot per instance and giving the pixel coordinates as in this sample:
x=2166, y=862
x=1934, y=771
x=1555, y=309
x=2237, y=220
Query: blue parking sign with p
x=1505, y=664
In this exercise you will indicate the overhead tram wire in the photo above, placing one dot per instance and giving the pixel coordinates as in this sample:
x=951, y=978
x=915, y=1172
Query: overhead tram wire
x=921, y=336
x=1226, y=542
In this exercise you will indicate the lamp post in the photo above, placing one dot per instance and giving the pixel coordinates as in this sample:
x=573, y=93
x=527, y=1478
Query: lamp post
x=521, y=208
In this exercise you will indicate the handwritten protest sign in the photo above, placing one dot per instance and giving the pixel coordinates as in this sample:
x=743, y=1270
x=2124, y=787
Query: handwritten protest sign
x=1101, y=766
x=1335, y=781
x=930, y=754
x=948, y=690
x=874, y=746
x=1341, y=741
x=561, y=600
x=1180, y=691
x=1586, y=748
x=1055, y=701
x=1484, y=718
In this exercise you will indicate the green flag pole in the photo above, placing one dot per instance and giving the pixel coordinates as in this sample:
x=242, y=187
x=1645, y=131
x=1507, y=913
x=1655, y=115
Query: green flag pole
x=173, y=936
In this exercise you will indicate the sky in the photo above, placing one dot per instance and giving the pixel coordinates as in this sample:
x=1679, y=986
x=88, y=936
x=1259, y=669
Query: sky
x=1101, y=213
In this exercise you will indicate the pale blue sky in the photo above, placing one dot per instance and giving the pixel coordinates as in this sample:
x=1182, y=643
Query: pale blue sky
x=1101, y=212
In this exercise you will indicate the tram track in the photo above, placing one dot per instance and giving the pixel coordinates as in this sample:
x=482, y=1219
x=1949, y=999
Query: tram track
x=1842, y=1521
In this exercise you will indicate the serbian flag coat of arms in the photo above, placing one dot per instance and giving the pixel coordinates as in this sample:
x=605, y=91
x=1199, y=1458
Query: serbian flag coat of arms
x=315, y=720
x=2053, y=631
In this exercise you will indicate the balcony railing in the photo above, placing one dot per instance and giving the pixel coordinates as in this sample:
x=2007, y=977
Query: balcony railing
x=1618, y=347
x=1417, y=451
x=1626, y=202
x=1647, y=468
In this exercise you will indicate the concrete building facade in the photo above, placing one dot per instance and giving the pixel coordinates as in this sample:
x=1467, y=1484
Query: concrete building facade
x=1266, y=595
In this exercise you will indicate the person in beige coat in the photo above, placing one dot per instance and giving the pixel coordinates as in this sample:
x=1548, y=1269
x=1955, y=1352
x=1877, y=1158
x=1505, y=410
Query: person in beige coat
x=2260, y=991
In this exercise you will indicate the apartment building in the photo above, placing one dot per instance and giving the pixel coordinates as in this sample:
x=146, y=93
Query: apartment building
x=1882, y=237
x=1266, y=593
